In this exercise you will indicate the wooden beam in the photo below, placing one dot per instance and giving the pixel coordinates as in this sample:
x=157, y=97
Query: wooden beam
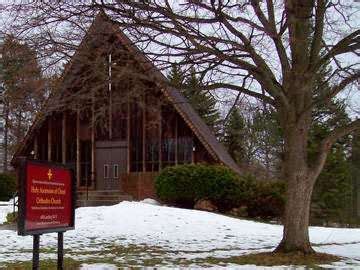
x=144, y=134
x=110, y=99
x=63, y=138
x=78, y=169
x=193, y=151
x=128, y=134
x=49, y=135
x=93, y=143
x=110, y=116
x=36, y=147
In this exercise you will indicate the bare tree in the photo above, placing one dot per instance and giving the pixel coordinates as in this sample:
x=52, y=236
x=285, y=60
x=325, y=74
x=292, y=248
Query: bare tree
x=280, y=45
x=23, y=95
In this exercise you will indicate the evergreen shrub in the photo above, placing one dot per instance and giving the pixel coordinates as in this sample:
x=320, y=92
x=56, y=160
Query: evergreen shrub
x=184, y=185
x=268, y=201
x=7, y=186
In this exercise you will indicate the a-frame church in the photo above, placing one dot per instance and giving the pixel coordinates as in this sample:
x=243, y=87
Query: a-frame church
x=142, y=130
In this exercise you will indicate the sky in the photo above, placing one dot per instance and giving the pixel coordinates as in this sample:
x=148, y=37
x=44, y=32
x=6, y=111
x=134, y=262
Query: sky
x=352, y=96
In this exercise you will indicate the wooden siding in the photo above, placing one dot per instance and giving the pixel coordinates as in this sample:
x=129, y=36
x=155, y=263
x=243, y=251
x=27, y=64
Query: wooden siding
x=140, y=185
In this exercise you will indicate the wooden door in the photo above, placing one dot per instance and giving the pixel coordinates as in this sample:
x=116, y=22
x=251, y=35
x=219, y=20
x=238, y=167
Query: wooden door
x=111, y=162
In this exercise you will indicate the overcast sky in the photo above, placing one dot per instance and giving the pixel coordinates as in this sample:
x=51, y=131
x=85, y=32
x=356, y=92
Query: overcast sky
x=353, y=97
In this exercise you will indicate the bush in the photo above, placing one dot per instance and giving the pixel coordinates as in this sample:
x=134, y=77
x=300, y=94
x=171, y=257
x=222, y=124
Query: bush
x=268, y=201
x=11, y=218
x=183, y=185
x=7, y=186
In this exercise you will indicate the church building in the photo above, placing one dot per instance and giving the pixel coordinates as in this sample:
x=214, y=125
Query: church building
x=116, y=121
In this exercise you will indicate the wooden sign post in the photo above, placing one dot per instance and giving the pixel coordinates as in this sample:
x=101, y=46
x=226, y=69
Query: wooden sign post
x=46, y=202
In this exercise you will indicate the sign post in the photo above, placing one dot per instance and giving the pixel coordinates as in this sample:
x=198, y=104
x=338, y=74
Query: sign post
x=46, y=203
x=36, y=247
x=60, y=262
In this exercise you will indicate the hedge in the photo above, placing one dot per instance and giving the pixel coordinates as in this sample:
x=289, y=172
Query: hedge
x=184, y=185
x=268, y=201
x=7, y=186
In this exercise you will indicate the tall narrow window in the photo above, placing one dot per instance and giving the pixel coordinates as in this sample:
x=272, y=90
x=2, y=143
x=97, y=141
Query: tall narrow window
x=116, y=171
x=136, y=135
x=152, y=120
x=185, y=142
x=168, y=136
x=106, y=171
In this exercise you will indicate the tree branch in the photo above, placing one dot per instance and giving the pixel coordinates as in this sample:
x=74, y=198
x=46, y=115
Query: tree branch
x=335, y=90
x=327, y=143
x=318, y=33
x=240, y=89
x=341, y=86
x=350, y=43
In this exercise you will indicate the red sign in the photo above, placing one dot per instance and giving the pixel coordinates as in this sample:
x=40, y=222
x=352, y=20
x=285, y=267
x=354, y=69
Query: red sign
x=46, y=202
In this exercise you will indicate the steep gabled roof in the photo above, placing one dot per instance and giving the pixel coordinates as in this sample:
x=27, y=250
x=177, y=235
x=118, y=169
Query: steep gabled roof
x=180, y=103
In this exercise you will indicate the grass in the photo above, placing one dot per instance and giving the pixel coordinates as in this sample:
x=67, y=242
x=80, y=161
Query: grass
x=121, y=256
x=147, y=256
x=276, y=259
x=69, y=264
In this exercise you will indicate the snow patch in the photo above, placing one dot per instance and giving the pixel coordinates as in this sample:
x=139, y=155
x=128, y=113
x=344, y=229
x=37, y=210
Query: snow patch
x=150, y=201
x=5, y=208
x=98, y=266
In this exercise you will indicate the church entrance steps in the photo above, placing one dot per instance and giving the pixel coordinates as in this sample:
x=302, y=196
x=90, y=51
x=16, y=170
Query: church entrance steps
x=101, y=197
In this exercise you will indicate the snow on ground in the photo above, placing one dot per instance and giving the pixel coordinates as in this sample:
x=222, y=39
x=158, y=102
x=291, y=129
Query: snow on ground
x=5, y=208
x=98, y=266
x=135, y=233
x=150, y=201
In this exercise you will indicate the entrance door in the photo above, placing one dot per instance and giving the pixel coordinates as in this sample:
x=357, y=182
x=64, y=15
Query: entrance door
x=111, y=162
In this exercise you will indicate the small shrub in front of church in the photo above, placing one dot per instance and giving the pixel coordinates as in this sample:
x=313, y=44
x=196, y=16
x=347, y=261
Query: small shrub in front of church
x=7, y=186
x=184, y=185
x=268, y=201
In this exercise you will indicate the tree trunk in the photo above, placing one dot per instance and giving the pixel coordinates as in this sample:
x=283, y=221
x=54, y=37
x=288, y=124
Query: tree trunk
x=299, y=186
x=5, y=143
x=18, y=130
x=296, y=218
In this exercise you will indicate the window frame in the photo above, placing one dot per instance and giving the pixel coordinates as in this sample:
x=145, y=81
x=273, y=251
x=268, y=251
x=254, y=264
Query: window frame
x=116, y=171
x=106, y=171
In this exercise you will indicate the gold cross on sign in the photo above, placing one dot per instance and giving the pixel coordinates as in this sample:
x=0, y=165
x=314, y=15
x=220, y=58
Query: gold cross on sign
x=49, y=174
